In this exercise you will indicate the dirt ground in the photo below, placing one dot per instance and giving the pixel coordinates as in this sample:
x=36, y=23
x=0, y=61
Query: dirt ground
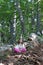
x=30, y=57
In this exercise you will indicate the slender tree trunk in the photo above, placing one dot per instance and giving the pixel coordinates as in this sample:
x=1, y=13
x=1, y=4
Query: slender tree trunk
x=13, y=30
x=17, y=6
x=0, y=34
x=38, y=17
x=32, y=15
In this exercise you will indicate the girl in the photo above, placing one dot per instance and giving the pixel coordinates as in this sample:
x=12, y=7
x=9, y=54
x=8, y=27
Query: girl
x=20, y=47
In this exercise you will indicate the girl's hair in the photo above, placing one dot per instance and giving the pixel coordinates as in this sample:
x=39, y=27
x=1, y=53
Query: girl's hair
x=20, y=41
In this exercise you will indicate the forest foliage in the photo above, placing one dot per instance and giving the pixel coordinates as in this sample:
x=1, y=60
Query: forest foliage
x=29, y=12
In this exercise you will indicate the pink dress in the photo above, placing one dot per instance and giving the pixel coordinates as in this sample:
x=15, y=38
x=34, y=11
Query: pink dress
x=19, y=48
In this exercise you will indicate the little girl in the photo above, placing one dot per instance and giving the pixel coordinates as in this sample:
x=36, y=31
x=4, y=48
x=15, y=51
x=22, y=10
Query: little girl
x=20, y=47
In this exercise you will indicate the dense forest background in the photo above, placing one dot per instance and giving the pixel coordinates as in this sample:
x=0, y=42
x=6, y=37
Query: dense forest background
x=20, y=17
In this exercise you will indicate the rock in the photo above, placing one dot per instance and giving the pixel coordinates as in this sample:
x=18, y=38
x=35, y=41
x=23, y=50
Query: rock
x=10, y=63
x=1, y=64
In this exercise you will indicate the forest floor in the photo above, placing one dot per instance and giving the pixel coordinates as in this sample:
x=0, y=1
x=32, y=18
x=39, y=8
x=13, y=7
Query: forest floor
x=30, y=57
